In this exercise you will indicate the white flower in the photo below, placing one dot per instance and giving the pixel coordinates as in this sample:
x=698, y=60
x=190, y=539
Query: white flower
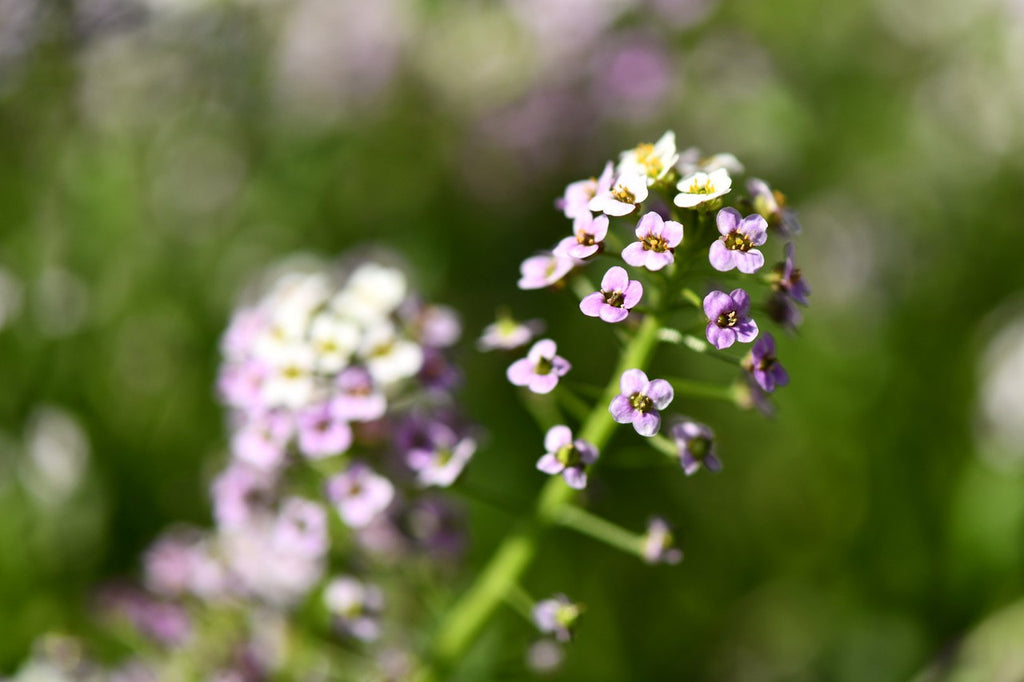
x=389, y=358
x=651, y=160
x=334, y=340
x=628, y=190
x=290, y=382
x=356, y=604
x=372, y=293
x=701, y=187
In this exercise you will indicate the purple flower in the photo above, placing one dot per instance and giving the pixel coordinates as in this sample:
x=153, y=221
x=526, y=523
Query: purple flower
x=241, y=385
x=557, y=616
x=321, y=432
x=358, y=399
x=543, y=270
x=567, y=456
x=262, y=438
x=696, y=444
x=442, y=457
x=736, y=249
x=772, y=205
x=359, y=494
x=640, y=401
x=729, y=318
x=438, y=373
x=301, y=528
x=239, y=492
x=506, y=333
x=540, y=369
x=617, y=296
x=786, y=278
x=659, y=545
x=657, y=240
x=589, y=233
x=356, y=607
x=783, y=311
x=764, y=367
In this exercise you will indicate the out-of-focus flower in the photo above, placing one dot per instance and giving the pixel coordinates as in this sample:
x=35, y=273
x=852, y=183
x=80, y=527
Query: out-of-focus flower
x=763, y=366
x=640, y=401
x=696, y=443
x=440, y=460
x=359, y=494
x=576, y=199
x=355, y=606
x=659, y=545
x=544, y=270
x=506, y=333
x=772, y=205
x=557, y=616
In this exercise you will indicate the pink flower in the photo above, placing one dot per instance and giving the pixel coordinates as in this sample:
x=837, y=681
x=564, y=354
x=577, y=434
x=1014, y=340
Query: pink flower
x=617, y=296
x=540, y=369
x=656, y=242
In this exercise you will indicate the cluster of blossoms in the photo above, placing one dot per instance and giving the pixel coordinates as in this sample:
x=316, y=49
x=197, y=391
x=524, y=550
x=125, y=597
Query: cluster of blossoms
x=675, y=241
x=340, y=395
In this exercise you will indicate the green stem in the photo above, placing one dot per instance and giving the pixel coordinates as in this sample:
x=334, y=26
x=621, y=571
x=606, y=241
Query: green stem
x=586, y=523
x=520, y=600
x=700, y=389
x=476, y=605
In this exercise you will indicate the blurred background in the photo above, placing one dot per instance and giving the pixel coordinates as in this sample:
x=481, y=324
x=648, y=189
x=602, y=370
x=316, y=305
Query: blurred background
x=156, y=155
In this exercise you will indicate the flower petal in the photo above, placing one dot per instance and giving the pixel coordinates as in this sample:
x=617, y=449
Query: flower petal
x=750, y=262
x=633, y=381
x=592, y=304
x=621, y=409
x=557, y=437
x=616, y=279
x=549, y=464
x=660, y=392
x=647, y=423
x=722, y=259
x=634, y=254
x=716, y=303
x=575, y=477
x=728, y=220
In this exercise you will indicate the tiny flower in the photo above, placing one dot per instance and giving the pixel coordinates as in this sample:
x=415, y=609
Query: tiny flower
x=290, y=382
x=334, y=340
x=735, y=248
x=729, y=318
x=691, y=161
x=442, y=457
x=578, y=194
x=321, y=432
x=782, y=310
x=653, y=161
x=696, y=443
x=356, y=607
x=506, y=333
x=622, y=198
x=359, y=494
x=557, y=616
x=301, y=528
x=389, y=357
x=640, y=401
x=239, y=492
x=702, y=187
x=764, y=367
x=434, y=326
x=656, y=242
x=540, y=369
x=262, y=438
x=589, y=233
x=772, y=205
x=543, y=270
x=617, y=297
x=787, y=278
x=358, y=399
x=659, y=545
x=567, y=456
x=371, y=294
x=241, y=384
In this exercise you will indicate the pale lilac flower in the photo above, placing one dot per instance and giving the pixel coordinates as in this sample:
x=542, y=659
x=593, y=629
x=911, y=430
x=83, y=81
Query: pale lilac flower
x=434, y=326
x=543, y=270
x=245, y=327
x=241, y=384
x=656, y=242
x=165, y=623
x=321, y=432
x=262, y=439
x=434, y=525
x=438, y=374
x=566, y=456
x=729, y=318
x=540, y=369
x=557, y=616
x=356, y=607
x=618, y=295
x=301, y=528
x=659, y=545
x=735, y=248
x=240, y=491
x=626, y=193
x=358, y=399
x=169, y=562
x=589, y=233
x=652, y=161
x=764, y=367
x=701, y=187
x=788, y=279
x=640, y=401
x=578, y=194
x=772, y=205
x=691, y=161
x=506, y=333
x=696, y=443
x=359, y=494
x=443, y=456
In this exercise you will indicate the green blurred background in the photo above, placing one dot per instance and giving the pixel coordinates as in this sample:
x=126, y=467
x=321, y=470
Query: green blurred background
x=155, y=155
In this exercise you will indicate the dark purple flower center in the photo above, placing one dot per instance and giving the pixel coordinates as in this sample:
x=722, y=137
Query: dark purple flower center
x=568, y=456
x=728, y=319
x=641, y=402
x=737, y=241
x=544, y=366
x=654, y=243
x=614, y=298
x=699, y=447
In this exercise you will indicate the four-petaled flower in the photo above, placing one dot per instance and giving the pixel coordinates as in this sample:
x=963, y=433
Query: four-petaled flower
x=640, y=401
x=540, y=369
x=557, y=616
x=589, y=233
x=764, y=367
x=567, y=456
x=617, y=297
x=543, y=270
x=441, y=457
x=507, y=333
x=735, y=248
x=656, y=242
x=696, y=443
x=622, y=197
x=702, y=187
x=729, y=318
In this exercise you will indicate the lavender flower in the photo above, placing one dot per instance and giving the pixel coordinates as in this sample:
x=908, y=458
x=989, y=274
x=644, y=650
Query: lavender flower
x=772, y=205
x=589, y=233
x=262, y=439
x=359, y=494
x=321, y=432
x=301, y=528
x=578, y=194
x=618, y=295
x=659, y=545
x=640, y=401
x=506, y=333
x=443, y=456
x=239, y=492
x=540, y=369
x=787, y=279
x=702, y=187
x=355, y=606
x=764, y=367
x=696, y=443
x=735, y=249
x=657, y=240
x=358, y=399
x=729, y=318
x=627, y=192
x=544, y=270
x=567, y=456
x=557, y=616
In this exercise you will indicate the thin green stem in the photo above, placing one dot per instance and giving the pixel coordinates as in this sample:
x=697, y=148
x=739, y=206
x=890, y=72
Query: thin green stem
x=593, y=526
x=700, y=389
x=513, y=556
x=520, y=600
